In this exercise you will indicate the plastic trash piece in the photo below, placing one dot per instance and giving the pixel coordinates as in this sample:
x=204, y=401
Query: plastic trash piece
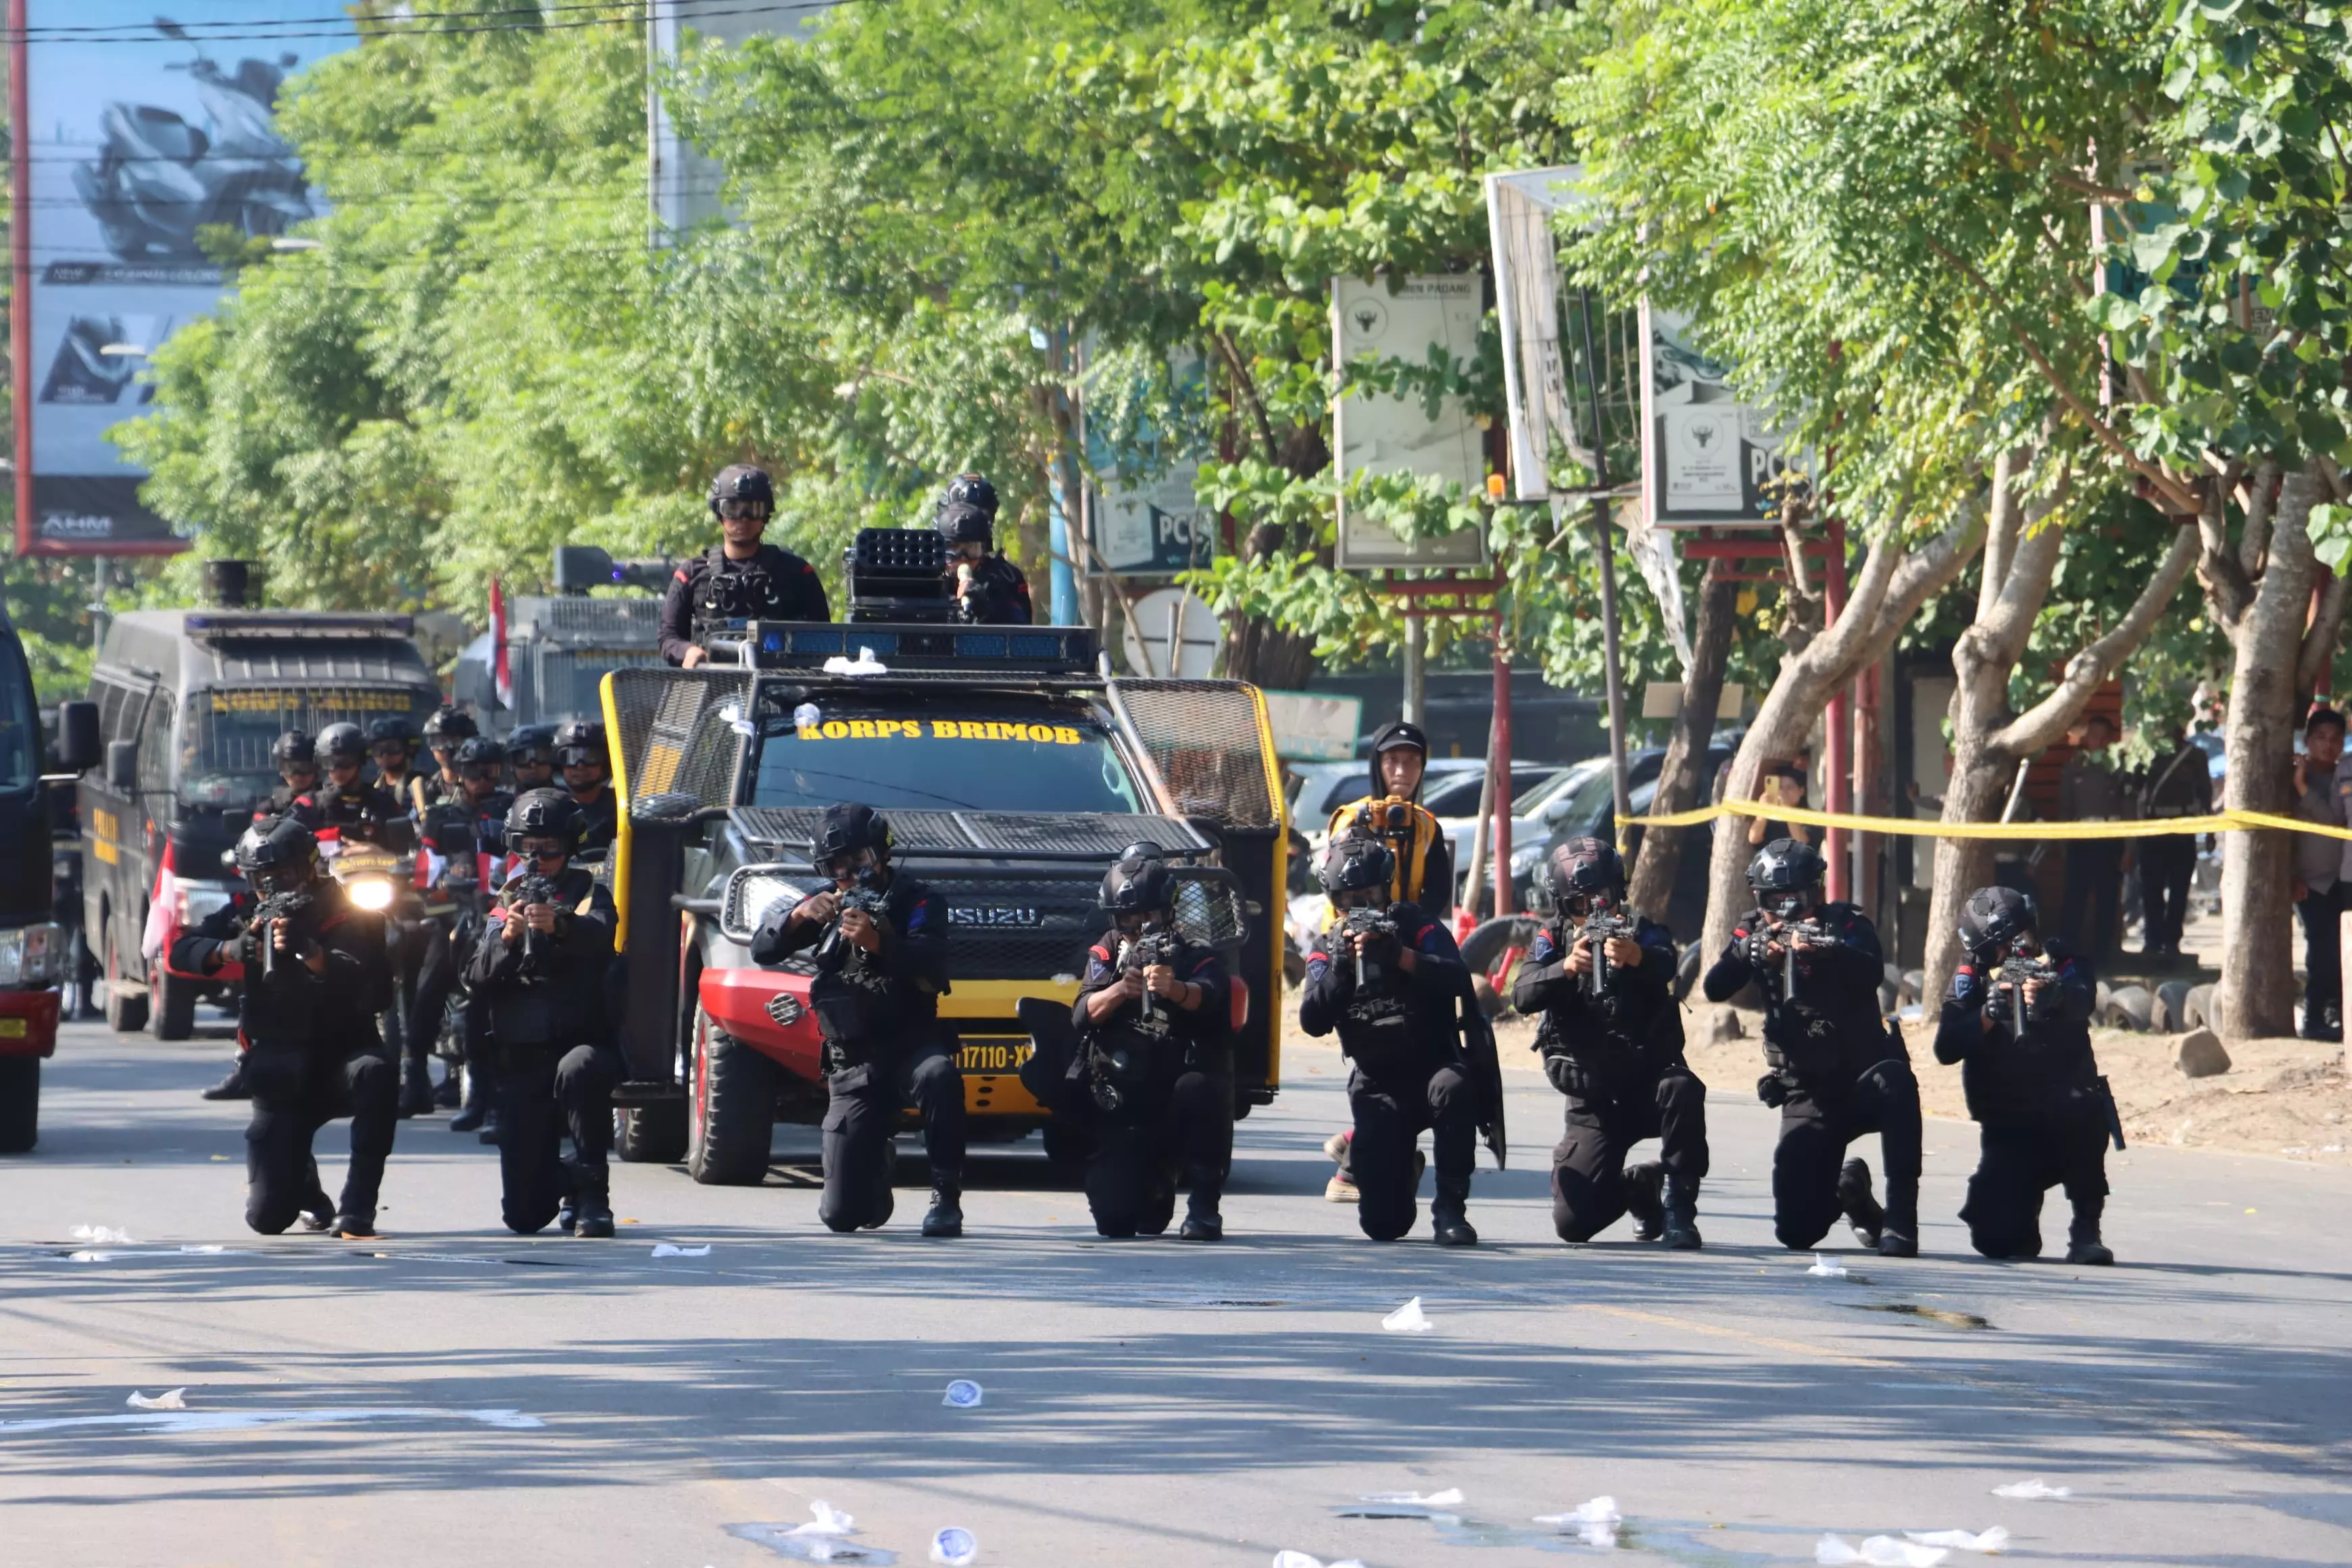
x=101, y=1235
x=665, y=1249
x=828, y=1520
x=170, y=1399
x=962, y=1395
x=1450, y=1497
x=1408, y=1319
x=1994, y=1539
x=1596, y=1520
x=1301, y=1560
x=1824, y=1269
x=2034, y=1490
x=954, y=1547
x=807, y=716
x=864, y=664
x=207, y=1249
x=91, y=1257
x=1877, y=1551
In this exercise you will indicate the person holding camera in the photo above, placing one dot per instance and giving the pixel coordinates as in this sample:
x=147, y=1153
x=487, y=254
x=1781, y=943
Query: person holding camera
x=538, y=970
x=1388, y=979
x=1612, y=1041
x=739, y=578
x=463, y=836
x=880, y=945
x=315, y=975
x=2018, y=1020
x=1836, y=1073
x=1151, y=1083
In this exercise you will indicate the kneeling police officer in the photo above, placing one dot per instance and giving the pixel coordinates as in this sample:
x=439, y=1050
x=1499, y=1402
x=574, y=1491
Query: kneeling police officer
x=881, y=955
x=1612, y=1041
x=539, y=968
x=1388, y=979
x=315, y=975
x=1153, y=1081
x=1836, y=1072
x=2018, y=1019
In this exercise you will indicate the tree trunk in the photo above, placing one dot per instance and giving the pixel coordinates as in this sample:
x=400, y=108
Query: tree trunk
x=2257, y=991
x=1265, y=655
x=1683, y=774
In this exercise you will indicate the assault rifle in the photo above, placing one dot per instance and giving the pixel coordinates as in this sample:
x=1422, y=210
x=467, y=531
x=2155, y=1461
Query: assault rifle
x=1791, y=935
x=1370, y=924
x=289, y=908
x=1606, y=921
x=2005, y=1003
x=853, y=898
x=528, y=888
x=1138, y=953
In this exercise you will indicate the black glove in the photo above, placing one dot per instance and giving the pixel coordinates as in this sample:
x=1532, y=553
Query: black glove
x=1772, y=1090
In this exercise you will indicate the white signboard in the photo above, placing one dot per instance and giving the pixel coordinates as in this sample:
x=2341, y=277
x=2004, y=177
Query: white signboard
x=1379, y=434
x=1313, y=726
x=1710, y=458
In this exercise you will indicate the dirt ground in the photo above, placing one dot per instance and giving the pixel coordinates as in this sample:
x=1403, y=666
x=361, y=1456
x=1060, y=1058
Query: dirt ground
x=2280, y=1097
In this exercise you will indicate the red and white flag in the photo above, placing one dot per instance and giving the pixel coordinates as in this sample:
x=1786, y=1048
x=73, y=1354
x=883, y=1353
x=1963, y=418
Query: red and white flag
x=163, y=911
x=502, y=676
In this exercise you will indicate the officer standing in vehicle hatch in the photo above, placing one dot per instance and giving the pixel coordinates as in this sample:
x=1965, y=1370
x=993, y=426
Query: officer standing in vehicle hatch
x=881, y=953
x=989, y=590
x=740, y=577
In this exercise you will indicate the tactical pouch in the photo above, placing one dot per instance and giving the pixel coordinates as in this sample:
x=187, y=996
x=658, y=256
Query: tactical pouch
x=844, y=1017
x=1382, y=1043
x=524, y=1015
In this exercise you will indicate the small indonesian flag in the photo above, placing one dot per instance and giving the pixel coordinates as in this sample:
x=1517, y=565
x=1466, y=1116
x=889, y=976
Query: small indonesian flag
x=162, y=910
x=501, y=674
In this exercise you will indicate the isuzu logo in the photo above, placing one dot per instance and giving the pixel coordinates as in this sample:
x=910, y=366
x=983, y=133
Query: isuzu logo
x=992, y=915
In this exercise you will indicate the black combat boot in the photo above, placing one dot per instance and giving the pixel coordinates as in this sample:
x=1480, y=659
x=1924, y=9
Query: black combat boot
x=1898, y=1234
x=1449, y=1226
x=1680, y=1217
x=494, y=1125
x=416, y=1088
x=446, y=1095
x=233, y=1087
x=1860, y=1209
x=1202, y=1220
x=946, y=1216
x=591, y=1203
x=1645, y=1200
x=2082, y=1243
x=356, y=1225
x=470, y=1116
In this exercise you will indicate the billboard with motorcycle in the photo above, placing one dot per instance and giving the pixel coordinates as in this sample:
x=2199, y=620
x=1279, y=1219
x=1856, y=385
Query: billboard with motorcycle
x=145, y=139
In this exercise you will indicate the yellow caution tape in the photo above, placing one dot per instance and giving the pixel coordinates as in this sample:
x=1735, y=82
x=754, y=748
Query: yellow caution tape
x=1920, y=827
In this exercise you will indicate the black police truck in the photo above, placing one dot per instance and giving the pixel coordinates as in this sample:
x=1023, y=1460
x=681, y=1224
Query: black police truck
x=189, y=703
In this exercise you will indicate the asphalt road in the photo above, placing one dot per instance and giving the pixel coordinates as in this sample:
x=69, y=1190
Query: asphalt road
x=453, y=1394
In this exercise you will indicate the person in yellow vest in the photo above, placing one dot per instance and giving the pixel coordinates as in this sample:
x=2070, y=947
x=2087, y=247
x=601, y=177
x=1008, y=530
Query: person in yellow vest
x=1392, y=813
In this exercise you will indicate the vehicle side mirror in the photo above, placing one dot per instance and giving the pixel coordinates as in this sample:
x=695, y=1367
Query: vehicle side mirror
x=123, y=766
x=78, y=748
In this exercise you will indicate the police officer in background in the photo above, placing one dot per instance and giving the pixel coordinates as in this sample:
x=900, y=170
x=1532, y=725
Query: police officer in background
x=461, y=831
x=2018, y=1019
x=741, y=576
x=355, y=809
x=587, y=762
x=298, y=774
x=530, y=757
x=989, y=589
x=1153, y=1082
x=444, y=733
x=393, y=741
x=1836, y=1072
x=1612, y=1041
x=881, y=953
x=315, y=978
x=539, y=968
x=1398, y=1026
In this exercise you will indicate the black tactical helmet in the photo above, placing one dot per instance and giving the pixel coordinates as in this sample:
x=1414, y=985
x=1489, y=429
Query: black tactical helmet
x=477, y=751
x=962, y=524
x=1351, y=865
x=276, y=855
x=543, y=814
x=1584, y=867
x=582, y=741
x=1137, y=884
x=294, y=746
x=1785, y=865
x=845, y=829
x=448, y=727
x=531, y=742
x=392, y=728
x=741, y=482
x=973, y=490
x=341, y=740
x=1995, y=917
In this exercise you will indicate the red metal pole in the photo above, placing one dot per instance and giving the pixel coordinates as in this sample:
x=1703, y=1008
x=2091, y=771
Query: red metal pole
x=1501, y=763
x=1841, y=777
x=20, y=268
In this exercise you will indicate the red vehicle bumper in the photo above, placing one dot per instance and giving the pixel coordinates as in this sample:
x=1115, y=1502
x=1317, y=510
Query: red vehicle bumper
x=28, y=1023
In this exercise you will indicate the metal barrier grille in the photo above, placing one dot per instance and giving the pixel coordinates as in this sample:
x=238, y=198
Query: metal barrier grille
x=982, y=832
x=624, y=621
x=675, y=731
x=1203, y=737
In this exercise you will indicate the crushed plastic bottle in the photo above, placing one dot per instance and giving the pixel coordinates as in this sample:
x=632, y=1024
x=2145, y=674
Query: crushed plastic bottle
x=1408, y=1319
x=2034, y=1490
x=1595, y=1521
x=1994, y=1539
x=962, y=1395
x=1877, y=1551
x=170, y=1399
x=1824, y=1269
x=954, y=1547
x=665, y=1249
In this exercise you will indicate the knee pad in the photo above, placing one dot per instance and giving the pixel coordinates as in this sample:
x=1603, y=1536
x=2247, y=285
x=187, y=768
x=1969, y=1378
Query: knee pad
x=262, y=1223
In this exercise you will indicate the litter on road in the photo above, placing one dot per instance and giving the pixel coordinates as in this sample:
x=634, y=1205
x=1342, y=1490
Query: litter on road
x=1824, y=1269
x=101, y=1235
x=1450, y=1497
x=2034, y=1490
x=666, y=1249
x=170, y=1399
x=1301, y=1560
x=962, y=1395
x=1994, y=1539
x=954, y=1547
x=1408, y=1319
x=1595, y=1521
x=1877, y=1551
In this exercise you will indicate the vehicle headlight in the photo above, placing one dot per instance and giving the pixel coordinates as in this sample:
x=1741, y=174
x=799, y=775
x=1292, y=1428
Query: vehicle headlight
x=753, y=893
x=370, y=893
x=33, y=954
x=199, y=899
x=1525, y=858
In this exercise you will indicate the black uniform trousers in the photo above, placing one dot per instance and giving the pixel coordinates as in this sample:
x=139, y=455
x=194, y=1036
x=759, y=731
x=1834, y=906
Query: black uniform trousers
x=2167, y=864
x=2095, y=885
x=1588, y=1167
x=2323, y=953
x=861, y=1117
x=1391, y=1110
x=545, y=1091
x=2016, y=1166
x=295, y=1093
x=1131, y=1189
x=440, y=973
x=1816, y=1127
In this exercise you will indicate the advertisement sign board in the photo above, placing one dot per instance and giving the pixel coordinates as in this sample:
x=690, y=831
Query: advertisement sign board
x=1314, y=726
x=1377, y=433
x=1710, y=458
x=140, y=134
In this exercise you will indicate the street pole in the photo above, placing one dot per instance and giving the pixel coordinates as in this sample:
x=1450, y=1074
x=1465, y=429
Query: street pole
x=1416, y=668
x=1621, y=785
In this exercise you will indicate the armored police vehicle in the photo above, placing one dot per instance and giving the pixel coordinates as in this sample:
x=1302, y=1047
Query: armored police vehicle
x=1013, y=769
x=190, y=702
